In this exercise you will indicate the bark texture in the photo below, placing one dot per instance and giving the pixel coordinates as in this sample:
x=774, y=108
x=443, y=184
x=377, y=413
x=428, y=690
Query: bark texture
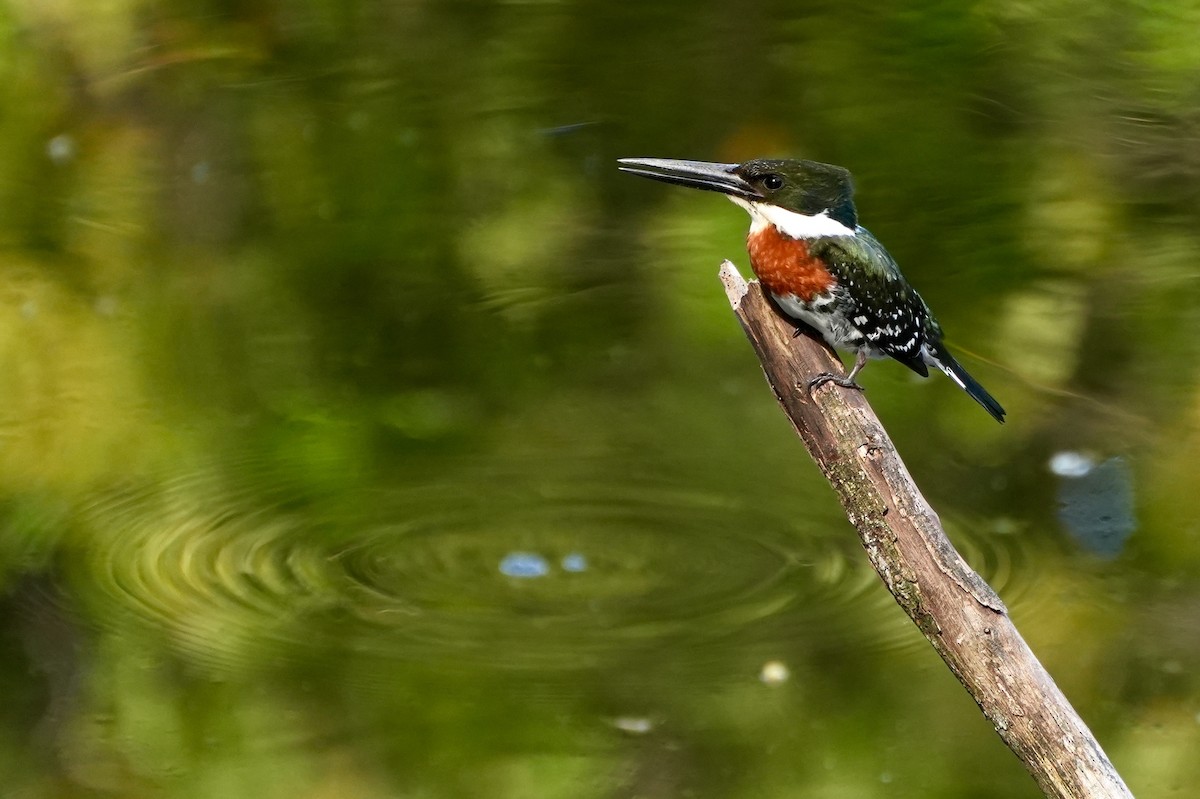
x=956, y=610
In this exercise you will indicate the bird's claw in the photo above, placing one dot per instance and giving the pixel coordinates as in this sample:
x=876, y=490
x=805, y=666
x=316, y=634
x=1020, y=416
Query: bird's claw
x=827, y=377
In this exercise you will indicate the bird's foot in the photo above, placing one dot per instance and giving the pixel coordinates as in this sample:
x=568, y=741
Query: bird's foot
x=826, y=377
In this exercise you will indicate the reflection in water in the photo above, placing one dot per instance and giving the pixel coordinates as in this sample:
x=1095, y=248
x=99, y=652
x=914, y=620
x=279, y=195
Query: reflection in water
x=1095, y=501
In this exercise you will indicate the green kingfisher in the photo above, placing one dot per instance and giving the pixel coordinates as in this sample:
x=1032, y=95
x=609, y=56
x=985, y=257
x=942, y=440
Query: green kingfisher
x=821, y=267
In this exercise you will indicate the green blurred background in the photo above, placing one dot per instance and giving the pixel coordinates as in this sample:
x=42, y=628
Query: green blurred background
x=363, y=433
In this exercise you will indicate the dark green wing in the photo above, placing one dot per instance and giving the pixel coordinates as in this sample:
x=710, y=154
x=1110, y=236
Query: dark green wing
x=894, y=318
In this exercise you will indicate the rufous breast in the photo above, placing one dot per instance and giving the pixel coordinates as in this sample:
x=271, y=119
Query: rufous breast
x=785, y=265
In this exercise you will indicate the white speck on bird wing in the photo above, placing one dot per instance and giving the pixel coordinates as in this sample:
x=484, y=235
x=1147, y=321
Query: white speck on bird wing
x=954, y=377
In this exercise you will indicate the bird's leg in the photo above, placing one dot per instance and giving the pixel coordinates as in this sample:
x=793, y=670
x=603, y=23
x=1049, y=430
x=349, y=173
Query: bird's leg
x=860, y=361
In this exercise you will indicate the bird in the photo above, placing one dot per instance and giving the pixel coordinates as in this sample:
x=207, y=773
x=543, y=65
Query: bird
x=820, y=267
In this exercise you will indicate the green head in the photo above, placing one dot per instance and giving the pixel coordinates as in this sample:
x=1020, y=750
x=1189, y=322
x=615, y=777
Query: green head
x=806, y=188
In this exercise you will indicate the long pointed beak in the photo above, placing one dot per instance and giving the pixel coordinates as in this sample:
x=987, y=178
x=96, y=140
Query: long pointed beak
x=693, y=174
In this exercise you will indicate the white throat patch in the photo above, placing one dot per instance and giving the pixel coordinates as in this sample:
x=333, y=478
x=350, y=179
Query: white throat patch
x=790, y=223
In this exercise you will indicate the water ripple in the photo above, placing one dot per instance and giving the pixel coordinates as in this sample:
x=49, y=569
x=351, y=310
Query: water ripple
x=519, y=573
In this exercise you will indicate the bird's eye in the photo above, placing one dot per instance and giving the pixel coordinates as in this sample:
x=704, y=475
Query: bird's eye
x=772, y=182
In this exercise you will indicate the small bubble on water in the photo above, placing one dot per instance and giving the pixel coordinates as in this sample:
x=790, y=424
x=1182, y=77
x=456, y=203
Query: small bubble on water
x=1070, y=464
x=634, y=725
x=61, y=149
x=774, y=672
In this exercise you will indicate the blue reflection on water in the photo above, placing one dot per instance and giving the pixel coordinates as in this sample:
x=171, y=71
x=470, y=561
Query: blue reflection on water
x=530, y=564
x=574, y=562
x=524, y=565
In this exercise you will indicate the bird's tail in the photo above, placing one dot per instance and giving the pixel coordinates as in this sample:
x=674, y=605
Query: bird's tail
x=945, y=361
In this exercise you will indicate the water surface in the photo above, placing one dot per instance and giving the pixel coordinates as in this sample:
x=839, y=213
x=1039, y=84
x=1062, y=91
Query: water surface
x=366, y=433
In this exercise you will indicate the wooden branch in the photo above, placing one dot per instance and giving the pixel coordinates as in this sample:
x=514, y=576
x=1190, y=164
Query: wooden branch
x=956, y=610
